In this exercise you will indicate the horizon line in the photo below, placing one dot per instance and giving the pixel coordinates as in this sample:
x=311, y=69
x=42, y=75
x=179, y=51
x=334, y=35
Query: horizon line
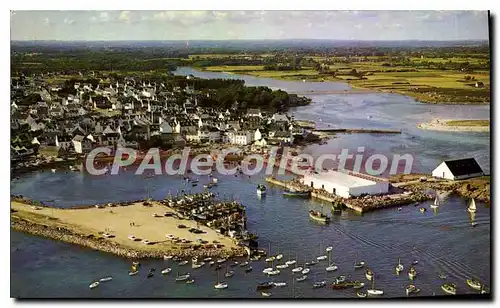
x=267, y=39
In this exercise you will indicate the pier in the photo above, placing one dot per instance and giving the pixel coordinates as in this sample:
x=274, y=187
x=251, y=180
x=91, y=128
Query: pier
x=358, y=204
x=357, y=131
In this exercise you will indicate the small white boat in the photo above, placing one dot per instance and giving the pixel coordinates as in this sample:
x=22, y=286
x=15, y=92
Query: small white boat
x=53, y=170
x=279, y=284
x=319, y=284
x=133, y=273
x=328, y=249
x=290, y=262
x=221, y=285
x=302, y=278
x=270, y=259
x=359, y=264
x=369, y=274
x=183, y=262
x=297, y=269
x=331, y=268
x=361, y=294
x=166, y=271
x=321, y=258
x=411, y=289
x=220, y=261
x=182, y=277
x=399, y=267
x=374, y=291
x=266, y=294
x=279, y=257
x=94, y=284
x=282, y=266
x=106, y=279
x=273, y=273
x=436, y=203
x=472, y=206
x=198, y=265
x=268, y=269
x=261, y=190
x=412, y=273
x=190, y=281
x=306, y=271
x=422, y=210
x=167, y=257
x=358, y=284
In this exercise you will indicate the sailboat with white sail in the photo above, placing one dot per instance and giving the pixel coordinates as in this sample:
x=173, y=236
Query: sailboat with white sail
x=219, y=284
x=399, y=267
x=321, y=257
x=472, y=206
x=436, y=203
x=374, y=291
x=331, y=266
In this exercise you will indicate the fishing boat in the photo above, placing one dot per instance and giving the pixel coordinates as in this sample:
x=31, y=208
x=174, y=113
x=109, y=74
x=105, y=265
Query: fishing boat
x=183, y=277
x=399, y=267
x=474, y=283
x=374, y=291
x=319, y=284
x=472, y=206
x=361, y=294
x=166, y=271
x=248, y=269
x=360, y=264
x=291, y=193
x=449, y=288
x=190, y=281
x=266, y=294
x=369, y=274
x=358, y=284
x=228, y=273
x=133, y=273
x=265, y=285
x=319, y=216
x=106, y=279
x=412, y=273
x=411, y=289
x=279, y=284
x=261, y=190
x=301, y=278
x=436, y=203
x=94, y=284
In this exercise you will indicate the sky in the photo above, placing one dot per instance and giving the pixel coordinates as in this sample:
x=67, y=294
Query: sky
x=230, y=25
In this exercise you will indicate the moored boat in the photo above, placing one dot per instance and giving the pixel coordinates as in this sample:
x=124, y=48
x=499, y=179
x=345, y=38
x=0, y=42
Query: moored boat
x=265, y=285
x=411, y=289
x=302, y=278
x=282, y=266
x=358, y=284
x=369, y=274
x=296, y=193
x=279, y=284
x=261, y=190
x=412, y=273
x=449, y=288
x=436, y=203
x=361, y=294
x=474, y=283
x=319, y=284
x=305, y=271
x=105, y=279
x=319, y=216
x=133, y=273
x=374, y=291
x=399, y=267
x=94, y=284
x=266, y=294
x=248, y=269
x=166, y=271
x=472, y=206
x=360, y=264
x=190, y=281
x=183, y=263
x=183, y=277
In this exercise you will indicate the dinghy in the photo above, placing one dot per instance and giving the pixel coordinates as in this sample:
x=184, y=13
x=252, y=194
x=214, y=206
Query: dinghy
x=105, y=279
x=279, y=284
x=133, y=273
x=449, y=288
x=305, y=271
x=282, y=266
x=302, y=278
x=474, y=283
x=94, y=284
x=361, y=294
x=166, y=271
x=374, y=291
x=266, y=294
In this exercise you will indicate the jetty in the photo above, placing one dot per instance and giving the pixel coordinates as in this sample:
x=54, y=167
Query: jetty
x=359, y=204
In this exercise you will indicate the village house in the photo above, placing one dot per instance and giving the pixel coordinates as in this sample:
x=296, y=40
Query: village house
x=458, y=169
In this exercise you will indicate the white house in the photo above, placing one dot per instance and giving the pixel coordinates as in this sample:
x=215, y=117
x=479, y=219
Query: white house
x=346, y=183
x=257, y=135
x=458, y=169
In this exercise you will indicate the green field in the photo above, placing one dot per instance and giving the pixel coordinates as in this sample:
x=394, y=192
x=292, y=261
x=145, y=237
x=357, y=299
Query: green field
x=468, y=123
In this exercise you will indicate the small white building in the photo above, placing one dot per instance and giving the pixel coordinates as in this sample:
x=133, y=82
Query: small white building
x=458, y=169
x=346, y=183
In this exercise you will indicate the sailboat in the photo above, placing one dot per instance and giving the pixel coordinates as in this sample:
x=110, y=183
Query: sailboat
x=359, y=264
x=369, y=274
x=374, y=291
x=271, y=258
x=220, y=285
x=436, y=203
x=292, y=261
x=412, y=273
x=273, y=271
x=331, y=266
x=279, y=256
x=322, y=257
x=228, y=273
x=472, y=206
x=297, y=269
x=399, y=267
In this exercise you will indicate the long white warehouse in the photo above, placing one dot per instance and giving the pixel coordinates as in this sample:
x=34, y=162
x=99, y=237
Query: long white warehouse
x=346, y=183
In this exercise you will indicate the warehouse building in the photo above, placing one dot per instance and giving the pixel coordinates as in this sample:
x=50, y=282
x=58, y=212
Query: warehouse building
x=346, y=183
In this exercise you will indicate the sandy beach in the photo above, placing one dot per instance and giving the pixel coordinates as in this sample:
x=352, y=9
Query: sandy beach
x=117, y=221
x=444, y=125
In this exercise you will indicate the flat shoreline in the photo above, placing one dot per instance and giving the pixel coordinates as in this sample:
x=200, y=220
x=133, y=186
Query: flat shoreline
x=443, y=125
x=80, y=226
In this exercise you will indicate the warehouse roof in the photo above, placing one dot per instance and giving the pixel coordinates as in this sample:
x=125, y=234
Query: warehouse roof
x=342, y=178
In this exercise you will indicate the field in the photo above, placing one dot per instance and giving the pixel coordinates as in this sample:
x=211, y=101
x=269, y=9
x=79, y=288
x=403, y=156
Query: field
x=428, y=85
x=469, y=123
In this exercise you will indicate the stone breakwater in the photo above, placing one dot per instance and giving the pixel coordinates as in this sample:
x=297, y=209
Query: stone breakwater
x=101, y=244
